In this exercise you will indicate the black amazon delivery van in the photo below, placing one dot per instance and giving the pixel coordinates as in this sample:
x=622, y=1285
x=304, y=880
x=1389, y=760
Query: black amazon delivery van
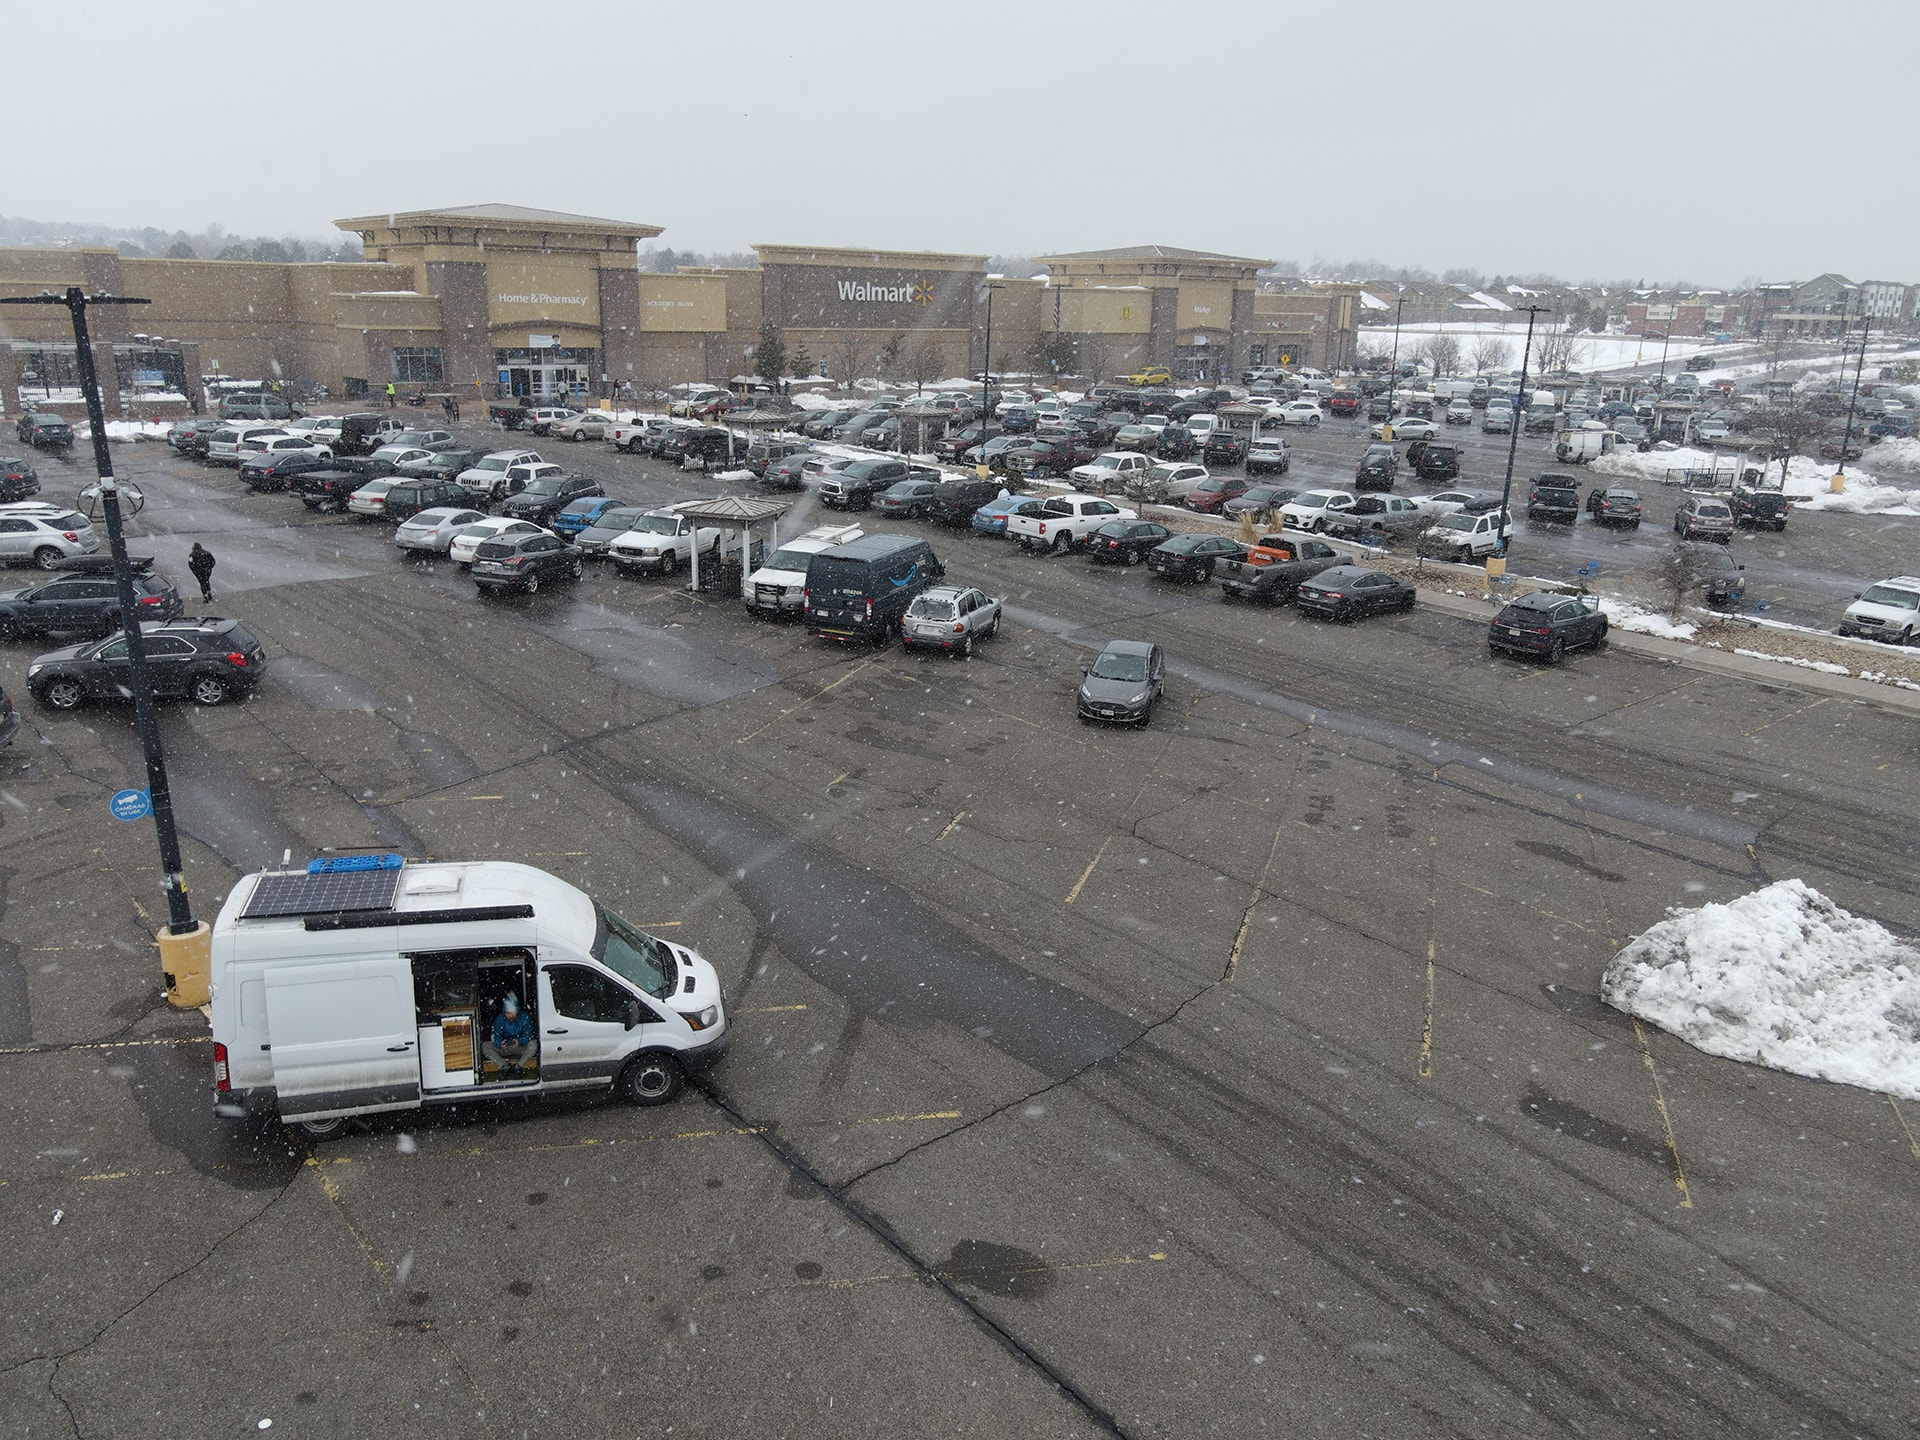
x=859, y=590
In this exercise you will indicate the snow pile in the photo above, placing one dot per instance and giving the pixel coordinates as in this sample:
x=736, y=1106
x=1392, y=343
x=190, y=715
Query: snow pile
x=1825, y=667
x=1896, y=455
x=1784, y=978
x=1622, y=616
x=734, y=475
x=1809, y=481
x=137, y=429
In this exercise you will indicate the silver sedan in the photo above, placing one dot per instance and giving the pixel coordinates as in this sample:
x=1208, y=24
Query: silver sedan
x=432, y=531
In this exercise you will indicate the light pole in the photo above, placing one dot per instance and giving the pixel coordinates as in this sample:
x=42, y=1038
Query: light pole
x=986, y=359
x=1663, y=355
x=1840, y=474
x=1393, y=372
x=180, y=919
x=1513, y=435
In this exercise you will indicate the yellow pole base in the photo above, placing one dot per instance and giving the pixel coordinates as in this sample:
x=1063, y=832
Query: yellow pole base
x=1839, y=482
x=186, y=965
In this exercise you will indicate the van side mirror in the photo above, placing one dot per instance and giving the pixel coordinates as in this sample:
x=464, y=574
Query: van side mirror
x=630, y=1014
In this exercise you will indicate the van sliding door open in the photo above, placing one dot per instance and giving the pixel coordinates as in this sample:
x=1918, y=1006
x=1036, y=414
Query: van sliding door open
x=344, y=1038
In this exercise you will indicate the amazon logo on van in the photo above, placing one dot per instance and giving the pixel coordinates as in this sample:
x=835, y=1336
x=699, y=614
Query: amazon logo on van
x=907, y=579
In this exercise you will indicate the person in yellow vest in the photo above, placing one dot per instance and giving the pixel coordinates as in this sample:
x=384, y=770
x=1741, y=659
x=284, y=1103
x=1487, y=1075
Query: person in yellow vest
x=390, y=395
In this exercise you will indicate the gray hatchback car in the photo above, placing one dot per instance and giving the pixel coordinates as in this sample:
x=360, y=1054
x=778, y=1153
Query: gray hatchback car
x=1703, y=517
x=1122, y=683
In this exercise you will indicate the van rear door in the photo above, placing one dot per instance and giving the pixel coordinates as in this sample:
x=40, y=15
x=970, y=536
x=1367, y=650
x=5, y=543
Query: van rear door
x=344, y=1038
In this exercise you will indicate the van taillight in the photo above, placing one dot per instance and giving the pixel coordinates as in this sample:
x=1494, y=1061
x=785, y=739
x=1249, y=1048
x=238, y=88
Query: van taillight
x=221, y=1083
x=869, y=607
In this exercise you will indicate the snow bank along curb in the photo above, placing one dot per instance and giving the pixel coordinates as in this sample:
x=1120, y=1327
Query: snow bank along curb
x=1784, y=978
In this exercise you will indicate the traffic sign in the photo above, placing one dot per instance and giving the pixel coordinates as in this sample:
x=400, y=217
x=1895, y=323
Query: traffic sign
x=130, y=805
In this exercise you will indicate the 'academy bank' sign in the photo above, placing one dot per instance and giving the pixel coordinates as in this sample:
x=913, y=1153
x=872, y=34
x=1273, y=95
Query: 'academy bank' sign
x=918, y=293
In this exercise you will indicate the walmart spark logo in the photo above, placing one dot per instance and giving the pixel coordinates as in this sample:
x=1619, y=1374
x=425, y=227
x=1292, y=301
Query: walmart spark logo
x=923, y=293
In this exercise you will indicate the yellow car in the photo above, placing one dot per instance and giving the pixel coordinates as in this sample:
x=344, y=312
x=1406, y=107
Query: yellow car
x=1152, y=375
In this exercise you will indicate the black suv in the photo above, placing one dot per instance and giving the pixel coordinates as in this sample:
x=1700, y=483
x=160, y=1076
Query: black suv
x=408, y=497
x=1377, y=470
x=1224, y=447
x=207, y=661
x=1615, y=505
x=18, y=480
x=446, y=464
x=546, y=497
x=954, y=502
x=1554, y=497
x=1755, y=505
x=524, y=562
x=45, y=432
x=1437, y=462
x=1548, y=624
x=84, y=599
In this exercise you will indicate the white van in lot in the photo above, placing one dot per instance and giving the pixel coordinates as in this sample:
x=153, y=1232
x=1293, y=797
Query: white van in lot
x=364, y=984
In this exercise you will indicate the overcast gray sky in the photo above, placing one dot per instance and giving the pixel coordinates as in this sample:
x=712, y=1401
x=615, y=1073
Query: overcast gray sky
x=1707, y=141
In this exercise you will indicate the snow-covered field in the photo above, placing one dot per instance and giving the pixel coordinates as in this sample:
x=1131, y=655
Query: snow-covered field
x=1591, y=352
x=1784, y=978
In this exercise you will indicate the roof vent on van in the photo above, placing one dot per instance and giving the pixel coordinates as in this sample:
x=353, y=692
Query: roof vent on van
x=432, y=882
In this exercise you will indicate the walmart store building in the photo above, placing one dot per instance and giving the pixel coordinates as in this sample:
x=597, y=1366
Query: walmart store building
x=499, y=299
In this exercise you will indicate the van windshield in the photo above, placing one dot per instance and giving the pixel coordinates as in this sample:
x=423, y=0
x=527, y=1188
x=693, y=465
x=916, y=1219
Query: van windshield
x=633, y=954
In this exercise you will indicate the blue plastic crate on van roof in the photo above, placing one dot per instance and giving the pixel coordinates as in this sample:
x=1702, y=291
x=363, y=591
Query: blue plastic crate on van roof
x=334, y=863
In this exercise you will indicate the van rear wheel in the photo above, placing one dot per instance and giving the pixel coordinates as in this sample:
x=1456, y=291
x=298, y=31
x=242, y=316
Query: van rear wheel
x=652, y=1077
x=321, y=1129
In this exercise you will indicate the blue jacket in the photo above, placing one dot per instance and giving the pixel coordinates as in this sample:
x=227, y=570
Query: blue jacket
x=512, y=1030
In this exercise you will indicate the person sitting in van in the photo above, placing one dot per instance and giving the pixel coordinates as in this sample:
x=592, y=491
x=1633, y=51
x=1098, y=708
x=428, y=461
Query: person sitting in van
x=511, y=1046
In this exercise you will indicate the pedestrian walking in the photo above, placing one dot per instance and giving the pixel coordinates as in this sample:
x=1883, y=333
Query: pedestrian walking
x=392, y=395
x=201, y=562
x=446, y=406
x=454, y=401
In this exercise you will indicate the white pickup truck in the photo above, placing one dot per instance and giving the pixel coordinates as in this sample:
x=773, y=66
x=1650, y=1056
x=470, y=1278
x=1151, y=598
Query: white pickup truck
x=1064, y=522
x=1467, y=535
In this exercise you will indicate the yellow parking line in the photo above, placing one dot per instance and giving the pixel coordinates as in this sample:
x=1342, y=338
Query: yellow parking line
x=791, y=709
x=1085, y=875
x=1912, y=1144
x=1666, y=1120
x=104, y=1045
x=904, y=1119
x=950, y=824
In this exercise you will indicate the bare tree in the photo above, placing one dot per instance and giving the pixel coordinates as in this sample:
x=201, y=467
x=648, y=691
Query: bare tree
x=1490, y=353
x=1682, y=575
x=1555, y=348
x=851, y=354
x=1443, y=351
x=1788, y=430
x=1375, y=356
x=923, y=366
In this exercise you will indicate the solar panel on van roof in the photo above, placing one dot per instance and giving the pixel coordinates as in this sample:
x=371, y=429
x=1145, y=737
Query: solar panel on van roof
x=325, y=893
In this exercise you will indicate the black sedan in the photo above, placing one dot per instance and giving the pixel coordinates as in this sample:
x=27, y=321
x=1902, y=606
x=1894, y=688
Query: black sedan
x=524, y=562
x=45, y=432
x=1192, y=557
x=265, y=472
x=1126, y=542
x=1548, y=624
x=1352, y=592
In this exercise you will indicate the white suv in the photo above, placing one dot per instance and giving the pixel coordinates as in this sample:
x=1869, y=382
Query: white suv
x=1889, y=611
x=44, y=534
x=1110, y=471
x=488, y=478
x=226, y=446
x=779, y=586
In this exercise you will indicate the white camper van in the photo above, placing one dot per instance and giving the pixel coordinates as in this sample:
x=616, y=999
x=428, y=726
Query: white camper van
x=364, y=984
x=1585, y=443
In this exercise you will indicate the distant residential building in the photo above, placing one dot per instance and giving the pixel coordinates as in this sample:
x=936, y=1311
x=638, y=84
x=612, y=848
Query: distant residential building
x=1696, y=318
x=1889, y=301
x=1808, y=309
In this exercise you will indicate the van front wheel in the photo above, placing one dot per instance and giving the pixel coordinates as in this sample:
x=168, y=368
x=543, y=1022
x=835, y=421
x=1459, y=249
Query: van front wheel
x=651, y=1078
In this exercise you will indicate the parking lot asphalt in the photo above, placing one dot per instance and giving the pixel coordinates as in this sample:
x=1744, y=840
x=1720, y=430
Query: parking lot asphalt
x=1241, y=1075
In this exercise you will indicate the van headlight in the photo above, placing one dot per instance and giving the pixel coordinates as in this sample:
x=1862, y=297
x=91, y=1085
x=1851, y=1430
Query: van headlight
x=702, y=1019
